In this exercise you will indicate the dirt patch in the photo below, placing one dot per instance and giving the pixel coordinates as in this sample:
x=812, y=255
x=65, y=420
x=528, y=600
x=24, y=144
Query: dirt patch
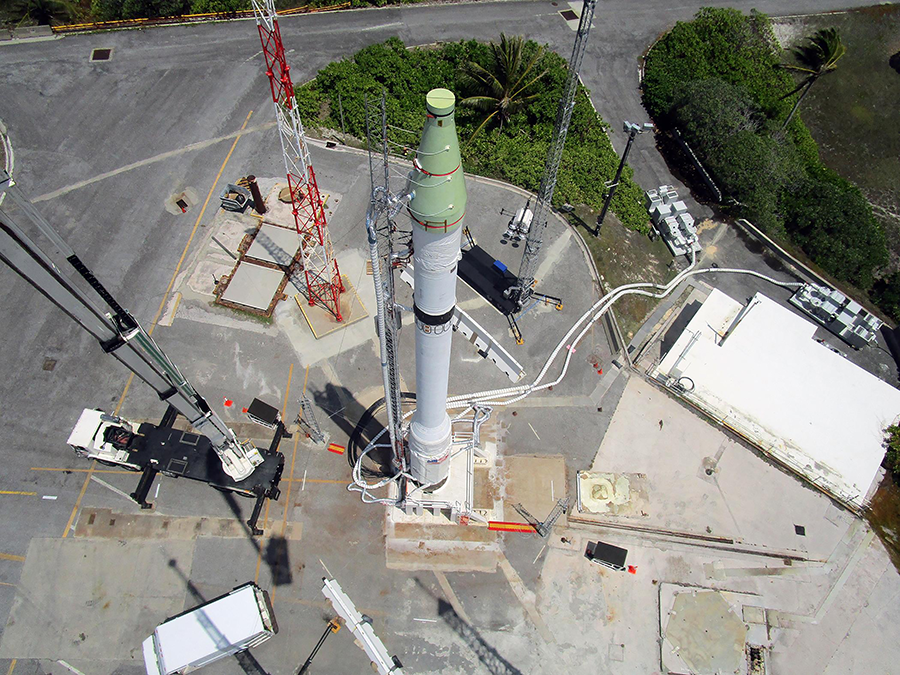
x=852, y=112
x=623, y=256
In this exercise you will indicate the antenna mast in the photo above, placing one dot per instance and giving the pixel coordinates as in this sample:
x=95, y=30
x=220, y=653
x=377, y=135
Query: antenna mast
x=380, y=229
x=320, y=267
x=524, y=288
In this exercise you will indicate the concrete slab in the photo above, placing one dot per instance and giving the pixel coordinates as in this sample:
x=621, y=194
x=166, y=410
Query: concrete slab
x=700, y=481
x=704, y=632
x=274, y=244
x=93, y=599
x=321, y=321
x=252, y=286
x=536, y=483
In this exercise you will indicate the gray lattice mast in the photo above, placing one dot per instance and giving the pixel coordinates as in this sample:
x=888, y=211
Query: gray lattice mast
x=380, y=228
x=524, y=288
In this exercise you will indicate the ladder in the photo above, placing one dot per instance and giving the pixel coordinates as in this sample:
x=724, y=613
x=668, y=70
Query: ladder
x=307, y=419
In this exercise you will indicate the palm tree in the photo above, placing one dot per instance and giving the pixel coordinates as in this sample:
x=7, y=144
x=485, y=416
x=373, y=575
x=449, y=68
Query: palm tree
x=819, y=56
x=505, y=87
x=44, y=12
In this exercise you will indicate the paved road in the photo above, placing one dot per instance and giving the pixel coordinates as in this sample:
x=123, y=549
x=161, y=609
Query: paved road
x=102, y=147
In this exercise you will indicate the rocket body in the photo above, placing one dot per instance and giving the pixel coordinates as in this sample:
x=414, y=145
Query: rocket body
x=437, y=209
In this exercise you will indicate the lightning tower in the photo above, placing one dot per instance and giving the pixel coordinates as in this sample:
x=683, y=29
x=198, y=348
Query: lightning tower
x=320, y=268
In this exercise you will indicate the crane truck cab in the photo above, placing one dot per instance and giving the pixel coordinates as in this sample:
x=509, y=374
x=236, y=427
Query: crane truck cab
x=106, y=438
x=229, y=624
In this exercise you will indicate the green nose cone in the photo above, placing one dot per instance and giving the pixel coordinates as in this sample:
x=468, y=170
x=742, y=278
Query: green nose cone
x=438, y=182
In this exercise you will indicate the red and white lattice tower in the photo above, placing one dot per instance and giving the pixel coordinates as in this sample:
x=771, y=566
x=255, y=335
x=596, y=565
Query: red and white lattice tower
x=323, y=278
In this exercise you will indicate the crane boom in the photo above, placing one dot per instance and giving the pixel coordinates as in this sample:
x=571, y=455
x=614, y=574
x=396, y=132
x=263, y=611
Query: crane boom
x=118, y=333
x=524, y=288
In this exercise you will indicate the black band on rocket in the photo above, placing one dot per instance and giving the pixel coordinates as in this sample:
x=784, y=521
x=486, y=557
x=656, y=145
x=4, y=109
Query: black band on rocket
x=431, y=319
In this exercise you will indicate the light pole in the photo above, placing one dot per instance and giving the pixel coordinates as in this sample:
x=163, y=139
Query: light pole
x=632, y=130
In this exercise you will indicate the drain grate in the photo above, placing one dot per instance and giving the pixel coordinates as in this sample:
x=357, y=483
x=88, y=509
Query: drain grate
x=101, y=54
x=568, y=15
x=800, y=530
x=49, y=364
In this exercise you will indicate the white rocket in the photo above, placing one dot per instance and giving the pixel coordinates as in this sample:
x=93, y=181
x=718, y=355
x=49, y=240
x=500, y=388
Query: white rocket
x=437, y=208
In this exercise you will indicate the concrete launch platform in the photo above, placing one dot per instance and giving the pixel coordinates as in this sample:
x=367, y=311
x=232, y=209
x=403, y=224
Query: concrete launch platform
x=274, y=244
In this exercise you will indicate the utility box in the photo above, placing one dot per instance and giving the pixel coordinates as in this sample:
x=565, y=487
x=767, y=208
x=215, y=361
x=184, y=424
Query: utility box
x=224, y=626
x=606, y=555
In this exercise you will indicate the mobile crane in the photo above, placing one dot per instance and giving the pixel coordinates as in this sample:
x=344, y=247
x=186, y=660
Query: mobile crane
x=215, y=456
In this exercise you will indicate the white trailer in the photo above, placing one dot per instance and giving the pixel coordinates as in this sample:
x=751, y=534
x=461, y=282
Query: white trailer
x=229, y=624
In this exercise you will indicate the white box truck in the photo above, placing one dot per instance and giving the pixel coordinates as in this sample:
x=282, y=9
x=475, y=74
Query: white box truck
x=229, y=624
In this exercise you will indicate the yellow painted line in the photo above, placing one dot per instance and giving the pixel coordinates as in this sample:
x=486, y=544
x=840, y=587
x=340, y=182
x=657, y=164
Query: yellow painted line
x=4, y=583
x=305, y=380
x=162, y=304
x=12, y=666
x=16, y=492
x=287, y=391
x=10, y=556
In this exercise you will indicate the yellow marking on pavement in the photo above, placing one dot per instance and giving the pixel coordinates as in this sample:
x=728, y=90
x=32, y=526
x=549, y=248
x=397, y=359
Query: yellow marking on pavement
x=17, y=492
x=305, y=380
x=10, y=556
x=12, y=667
x=6, y=583
x=162, y=304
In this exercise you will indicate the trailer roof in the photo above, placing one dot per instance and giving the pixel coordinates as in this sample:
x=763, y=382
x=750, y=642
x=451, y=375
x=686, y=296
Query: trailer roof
x=209, y=628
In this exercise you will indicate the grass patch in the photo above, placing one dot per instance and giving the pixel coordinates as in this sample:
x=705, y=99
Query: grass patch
x=623, y=256
x=852, y=113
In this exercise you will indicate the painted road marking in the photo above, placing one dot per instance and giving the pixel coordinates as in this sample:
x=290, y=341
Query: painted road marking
x=71, y=524
x=17, y=493
x=10, y=556
x=336, y=449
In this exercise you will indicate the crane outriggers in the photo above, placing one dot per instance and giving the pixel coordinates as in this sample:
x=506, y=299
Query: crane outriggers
x=214, y=456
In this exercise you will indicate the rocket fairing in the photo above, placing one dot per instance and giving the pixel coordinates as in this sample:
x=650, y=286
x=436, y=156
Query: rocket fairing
x=437, y=209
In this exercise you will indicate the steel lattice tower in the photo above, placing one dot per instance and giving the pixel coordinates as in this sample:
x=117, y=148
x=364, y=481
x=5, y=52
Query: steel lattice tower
x=524, y=288
x=320, y=268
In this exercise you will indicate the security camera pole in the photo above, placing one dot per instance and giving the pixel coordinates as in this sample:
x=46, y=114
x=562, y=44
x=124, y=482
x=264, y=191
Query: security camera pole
x=632, y=130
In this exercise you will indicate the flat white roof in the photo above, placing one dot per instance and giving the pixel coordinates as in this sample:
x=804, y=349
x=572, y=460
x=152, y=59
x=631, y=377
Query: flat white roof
x=770, y=380
x=209, y=629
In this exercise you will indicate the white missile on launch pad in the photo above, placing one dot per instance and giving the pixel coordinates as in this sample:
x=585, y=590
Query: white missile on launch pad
x=437, y=208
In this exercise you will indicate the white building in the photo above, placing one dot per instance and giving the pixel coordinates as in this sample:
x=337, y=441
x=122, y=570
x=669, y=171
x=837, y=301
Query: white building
x=758, y=370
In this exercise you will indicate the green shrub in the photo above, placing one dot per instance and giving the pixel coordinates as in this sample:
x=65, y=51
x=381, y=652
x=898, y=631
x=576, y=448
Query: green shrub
x=516, y=153
x=718, y=79
x=217, y=6
x=892, y=449
x=829, y=218
x=886, y=293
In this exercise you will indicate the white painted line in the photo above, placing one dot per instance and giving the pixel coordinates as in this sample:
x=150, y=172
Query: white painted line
x=426, y=620
x=303, y=487
x=325, y=568
x=533, y=431
x=254, y=56
x=539, y=554
x=71, y=668
x=50, y=497
x=552, y=496
x=157, y=491
x=110, y=487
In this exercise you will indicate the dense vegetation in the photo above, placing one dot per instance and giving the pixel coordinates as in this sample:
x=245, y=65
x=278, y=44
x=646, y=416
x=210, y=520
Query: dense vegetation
x=720, y=80
x=514, y=151
x=892, y=450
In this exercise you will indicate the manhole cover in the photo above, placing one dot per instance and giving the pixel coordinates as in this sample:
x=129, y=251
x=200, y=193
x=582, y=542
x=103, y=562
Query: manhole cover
x=568, y=15
x=49, y=364
x=101, y=54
